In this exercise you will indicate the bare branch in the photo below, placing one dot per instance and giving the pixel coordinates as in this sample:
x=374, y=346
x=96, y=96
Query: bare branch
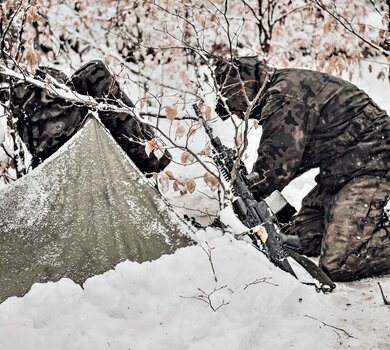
x=385, y=301
x=333, y=327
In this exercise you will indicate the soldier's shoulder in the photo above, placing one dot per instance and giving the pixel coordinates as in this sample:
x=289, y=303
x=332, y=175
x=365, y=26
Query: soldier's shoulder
x=291, y=81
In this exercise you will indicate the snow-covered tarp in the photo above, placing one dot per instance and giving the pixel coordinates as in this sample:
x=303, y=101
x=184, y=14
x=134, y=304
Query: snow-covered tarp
x=80, y=213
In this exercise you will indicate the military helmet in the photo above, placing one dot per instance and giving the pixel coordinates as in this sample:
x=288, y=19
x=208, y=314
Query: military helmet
x=231, y=76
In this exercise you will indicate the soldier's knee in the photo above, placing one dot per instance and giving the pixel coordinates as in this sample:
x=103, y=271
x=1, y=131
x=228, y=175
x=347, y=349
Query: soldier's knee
x=340, y=269
x=338, y=274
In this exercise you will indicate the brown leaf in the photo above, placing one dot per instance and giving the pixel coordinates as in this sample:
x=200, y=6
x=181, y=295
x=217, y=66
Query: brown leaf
x=205, y=152
x=164, y=183
x=256, y=124
x=169, y=174
x=381, y=75
x=150, y=147
x=180, y=131
x=171, y=113
x=12, y=164
x=186, y=157
x=370, y=68
x=211, y=181
x=207, y=112
x=32, y=56
x=362, y=28
x=192, y=132
x=327, y=27
x=180, y=185
x=191, y=185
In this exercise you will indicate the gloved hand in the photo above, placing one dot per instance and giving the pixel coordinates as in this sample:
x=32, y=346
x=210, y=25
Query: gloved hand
x=290, y=241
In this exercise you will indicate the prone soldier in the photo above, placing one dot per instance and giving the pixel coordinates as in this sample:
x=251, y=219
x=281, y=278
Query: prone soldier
x=46, y=122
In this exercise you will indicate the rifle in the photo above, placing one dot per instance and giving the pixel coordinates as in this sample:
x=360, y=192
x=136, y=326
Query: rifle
x=262, y=222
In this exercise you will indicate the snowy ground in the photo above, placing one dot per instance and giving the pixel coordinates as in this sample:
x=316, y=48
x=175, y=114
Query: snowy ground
x=164, y=304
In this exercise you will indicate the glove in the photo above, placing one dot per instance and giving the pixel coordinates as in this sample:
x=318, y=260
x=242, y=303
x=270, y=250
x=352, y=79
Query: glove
x=290, y=241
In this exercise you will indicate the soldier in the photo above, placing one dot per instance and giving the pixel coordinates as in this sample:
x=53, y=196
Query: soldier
x=314, y=120
x=46, y=122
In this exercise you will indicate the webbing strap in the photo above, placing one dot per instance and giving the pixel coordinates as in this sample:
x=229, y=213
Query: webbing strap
x=326, y=284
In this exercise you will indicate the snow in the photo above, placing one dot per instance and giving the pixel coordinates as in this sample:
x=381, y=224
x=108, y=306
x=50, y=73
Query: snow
x=156, y=305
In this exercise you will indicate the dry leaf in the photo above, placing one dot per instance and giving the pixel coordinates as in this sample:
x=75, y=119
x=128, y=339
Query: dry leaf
x=175, y=186
x=169, y=174
x=205, y=152
x=186, y=157
x=370, y=68
x=171, y=113
x=32, y=56
x=362, y=28
x=256, y=124
x=381, y=75
x=180, y=185
x=180, y=131
x=327, y=27
x=211, y=181
x=150, y=147
x=192, y=132
x=164, y=183
x=207, y=112
x=191, y=185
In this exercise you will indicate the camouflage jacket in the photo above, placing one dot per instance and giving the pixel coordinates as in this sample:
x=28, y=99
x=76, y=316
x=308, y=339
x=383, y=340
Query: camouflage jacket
x=311, y=119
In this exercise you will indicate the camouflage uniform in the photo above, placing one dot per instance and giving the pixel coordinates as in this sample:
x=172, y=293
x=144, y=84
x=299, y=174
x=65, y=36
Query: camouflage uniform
x=310, y=120
x=46, y=121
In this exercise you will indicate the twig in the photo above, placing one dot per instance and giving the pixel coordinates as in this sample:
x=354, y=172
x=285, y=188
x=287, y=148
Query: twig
x=333, y=327
x=206, y=298
x=260, y=280
x=386, y=302
x=208, y=253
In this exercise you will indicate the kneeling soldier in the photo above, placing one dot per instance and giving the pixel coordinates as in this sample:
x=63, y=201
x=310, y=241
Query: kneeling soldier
x=314, y=120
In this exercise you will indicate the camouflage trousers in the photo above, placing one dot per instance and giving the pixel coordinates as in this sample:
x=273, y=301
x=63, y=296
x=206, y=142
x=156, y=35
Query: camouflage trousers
x=349, y=230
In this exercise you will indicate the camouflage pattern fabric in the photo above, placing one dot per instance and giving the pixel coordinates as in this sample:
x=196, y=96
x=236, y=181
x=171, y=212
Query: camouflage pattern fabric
x=95, y=80
x=46, y=122
x=314, y=120
x=350, y=228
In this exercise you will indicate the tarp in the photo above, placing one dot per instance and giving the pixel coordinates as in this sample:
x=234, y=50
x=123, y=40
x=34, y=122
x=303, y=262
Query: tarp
x=80, y=213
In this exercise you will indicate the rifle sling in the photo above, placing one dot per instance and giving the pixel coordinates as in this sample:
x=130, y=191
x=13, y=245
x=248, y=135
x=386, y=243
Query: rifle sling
x=327, y=285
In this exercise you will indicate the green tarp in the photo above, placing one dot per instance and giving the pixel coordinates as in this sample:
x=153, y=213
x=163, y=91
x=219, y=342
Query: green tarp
x=79, y=214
